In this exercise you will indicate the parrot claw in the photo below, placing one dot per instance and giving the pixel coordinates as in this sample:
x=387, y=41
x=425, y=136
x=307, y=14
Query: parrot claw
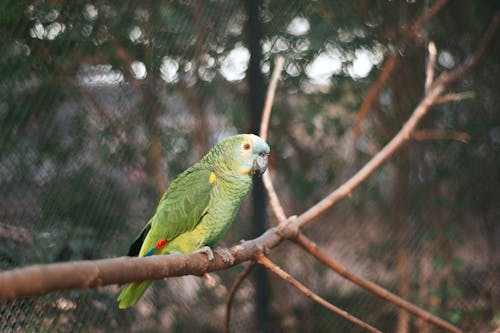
x=239, y=247
x=210, y=280
x=236, y=249
x=226, y=255
x=208, y=251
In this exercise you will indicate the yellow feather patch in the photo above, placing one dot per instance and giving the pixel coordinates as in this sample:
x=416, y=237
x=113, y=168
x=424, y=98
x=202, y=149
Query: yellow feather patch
x=243, y=171
x=212, y=178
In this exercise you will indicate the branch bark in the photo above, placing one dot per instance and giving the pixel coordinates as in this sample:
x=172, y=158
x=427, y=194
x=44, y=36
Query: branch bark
x=261, y=259
x=438, y=134
x=454, y=97
x=271, y=89
x=429, y=71
x=232, y=292
x=431, y=97
x=264, y=126
x=390, y=64
x=401, y=137
x=377, y=290
x=41, y=279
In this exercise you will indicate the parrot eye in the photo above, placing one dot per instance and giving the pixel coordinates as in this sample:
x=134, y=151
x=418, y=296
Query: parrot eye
x=246, y=146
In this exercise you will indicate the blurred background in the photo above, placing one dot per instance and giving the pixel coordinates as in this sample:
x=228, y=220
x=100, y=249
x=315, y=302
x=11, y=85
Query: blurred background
x=103, y=103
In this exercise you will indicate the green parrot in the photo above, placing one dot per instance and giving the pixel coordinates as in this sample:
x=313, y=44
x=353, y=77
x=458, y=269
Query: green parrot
x=200, y=204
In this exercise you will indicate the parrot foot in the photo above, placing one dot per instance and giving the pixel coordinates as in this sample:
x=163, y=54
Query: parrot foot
x=211, y=282
x=207, y=251
x=226, y=255
x=236, y=249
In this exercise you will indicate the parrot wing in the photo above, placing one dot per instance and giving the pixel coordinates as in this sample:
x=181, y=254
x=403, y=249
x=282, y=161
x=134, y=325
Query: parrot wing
x=180, y=209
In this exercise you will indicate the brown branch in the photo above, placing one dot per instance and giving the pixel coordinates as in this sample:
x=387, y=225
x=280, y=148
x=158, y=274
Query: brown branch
x=271, y=89
x=275, y=204
x=431, y=62
x=274, y=201
x=389, y=66
x=454, y=97
x=264, y=126
x=232, y=292
x=372, y=94
x=261, y=259
x=401, y=137
x=472, y=61
x=38, y=280
x=432, y=95
x=438, y=134
x=381, y=292
x=422, y=20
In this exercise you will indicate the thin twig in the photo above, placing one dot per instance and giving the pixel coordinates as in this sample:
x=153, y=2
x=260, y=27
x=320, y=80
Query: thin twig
x=372, y=94
x=261, y=259
x=232, y=292
x=311, y=248
x=439, y=134
x=274, y=201
x=429, y=71
x=472, y=60
x=432, y=95
x=281, y=216
x=389, y=66
x=264, y=126
x=271, y=90
x=397, y=141
x=454, y=97
x=423, y=19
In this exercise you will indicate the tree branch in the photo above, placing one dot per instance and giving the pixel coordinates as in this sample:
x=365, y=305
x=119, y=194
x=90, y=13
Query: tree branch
x=271, y=90
x=41, y=279
x=422, y=20
x=438, y=134
x=472, y=60
x=232, y=292
x=454, y=97
x=381, y=292
x=264, y=127
x=389, y=66
x=429, y=71
x=401, y=137
x=432, y=95
x=261, y=259
x=372, y=94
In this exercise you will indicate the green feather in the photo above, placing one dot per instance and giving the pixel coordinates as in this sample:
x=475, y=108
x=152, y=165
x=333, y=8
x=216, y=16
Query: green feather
x=132, y=293
x=200, y=204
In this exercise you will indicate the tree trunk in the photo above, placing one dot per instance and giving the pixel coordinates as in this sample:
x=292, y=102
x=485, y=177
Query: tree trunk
x=256, y=103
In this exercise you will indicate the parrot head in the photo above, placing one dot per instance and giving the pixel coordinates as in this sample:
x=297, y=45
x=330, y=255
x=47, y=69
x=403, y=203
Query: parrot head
x=248, y=153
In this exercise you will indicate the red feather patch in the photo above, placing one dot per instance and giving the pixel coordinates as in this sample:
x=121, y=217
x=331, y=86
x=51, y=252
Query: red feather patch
x=161, y=243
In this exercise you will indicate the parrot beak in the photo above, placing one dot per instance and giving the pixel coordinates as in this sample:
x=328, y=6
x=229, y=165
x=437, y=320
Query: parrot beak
x=260, y=164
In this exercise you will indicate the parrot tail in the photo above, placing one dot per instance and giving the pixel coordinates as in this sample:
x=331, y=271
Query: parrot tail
x=132, y=293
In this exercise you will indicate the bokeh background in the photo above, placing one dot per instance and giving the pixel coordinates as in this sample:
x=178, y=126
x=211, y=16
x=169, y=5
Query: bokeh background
x=103, y=103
